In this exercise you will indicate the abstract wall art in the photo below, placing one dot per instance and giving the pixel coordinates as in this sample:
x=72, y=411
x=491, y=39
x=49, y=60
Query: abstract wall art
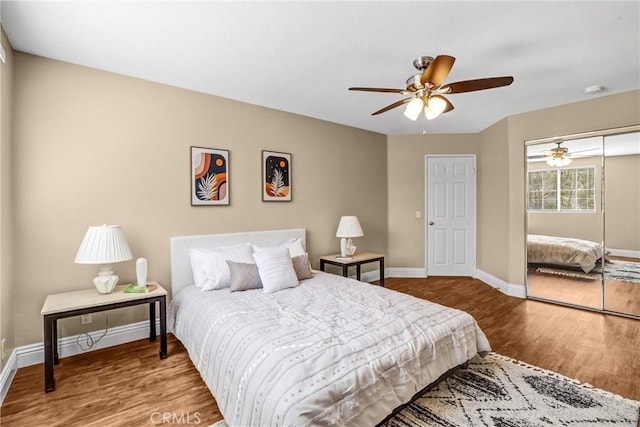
x=209, y=177
x=276, y=176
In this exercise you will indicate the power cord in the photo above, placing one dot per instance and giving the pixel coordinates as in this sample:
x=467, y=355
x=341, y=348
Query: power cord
x=89, y=341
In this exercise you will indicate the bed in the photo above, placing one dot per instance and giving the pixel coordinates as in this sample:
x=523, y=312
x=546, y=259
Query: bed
x=563, y=251
x=330, y=351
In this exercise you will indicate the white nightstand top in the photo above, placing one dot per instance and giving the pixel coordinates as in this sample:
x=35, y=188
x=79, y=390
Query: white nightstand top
x=67, y=301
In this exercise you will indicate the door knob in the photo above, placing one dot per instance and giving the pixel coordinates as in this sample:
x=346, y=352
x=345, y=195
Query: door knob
x=431, y=223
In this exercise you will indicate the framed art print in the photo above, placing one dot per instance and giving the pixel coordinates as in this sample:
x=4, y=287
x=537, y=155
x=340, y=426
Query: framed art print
x=209, y=177
x=276, y=176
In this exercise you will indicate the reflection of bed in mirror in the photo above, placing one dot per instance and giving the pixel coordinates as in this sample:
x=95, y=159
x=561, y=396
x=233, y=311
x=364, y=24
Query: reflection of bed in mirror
x=563, y=252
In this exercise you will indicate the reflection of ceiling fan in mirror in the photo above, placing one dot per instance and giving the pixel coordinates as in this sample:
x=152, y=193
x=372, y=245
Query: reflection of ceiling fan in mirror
x=559, y=156
x=427, y=89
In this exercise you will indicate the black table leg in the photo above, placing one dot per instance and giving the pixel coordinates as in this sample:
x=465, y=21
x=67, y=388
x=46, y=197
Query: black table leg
x=56, y=358
x=345, y=271
x=163, y=327
x=49, y=379
x=152, y=321
x=358, y=272
x=382, y=272
x=321, y=265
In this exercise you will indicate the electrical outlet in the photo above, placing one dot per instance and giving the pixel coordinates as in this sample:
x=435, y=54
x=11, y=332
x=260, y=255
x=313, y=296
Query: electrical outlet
x=3, y=348
x=86, y=319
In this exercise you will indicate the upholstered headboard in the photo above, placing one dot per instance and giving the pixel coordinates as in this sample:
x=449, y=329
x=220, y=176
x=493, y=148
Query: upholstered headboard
x=181, y=274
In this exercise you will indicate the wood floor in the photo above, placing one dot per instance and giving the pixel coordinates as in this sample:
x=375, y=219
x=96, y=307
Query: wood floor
x=129, y=385
x=620, y=296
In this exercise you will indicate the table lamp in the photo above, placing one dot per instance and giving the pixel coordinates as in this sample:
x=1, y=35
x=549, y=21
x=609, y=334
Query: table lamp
x=104, y=244
x=347, y=228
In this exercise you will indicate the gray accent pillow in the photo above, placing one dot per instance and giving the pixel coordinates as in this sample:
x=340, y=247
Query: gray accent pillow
x=302, y=267
x=244, y=276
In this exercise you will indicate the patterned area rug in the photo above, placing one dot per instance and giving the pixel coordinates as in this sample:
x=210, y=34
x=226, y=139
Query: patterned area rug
x=502, y=392
x=615, y=270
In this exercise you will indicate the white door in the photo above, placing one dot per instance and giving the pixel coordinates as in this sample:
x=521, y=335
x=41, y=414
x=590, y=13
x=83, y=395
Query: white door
x=451, y=215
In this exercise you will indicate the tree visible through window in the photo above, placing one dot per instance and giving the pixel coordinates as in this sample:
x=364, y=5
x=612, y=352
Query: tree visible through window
x=562, y=190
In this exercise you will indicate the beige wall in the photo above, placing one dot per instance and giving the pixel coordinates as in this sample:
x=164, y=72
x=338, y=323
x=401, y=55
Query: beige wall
x=93, y=147
x=405, y=168
x=577, y=225
x=493, y=203
x=622, y=202
x=501, y=179
x=6, y=228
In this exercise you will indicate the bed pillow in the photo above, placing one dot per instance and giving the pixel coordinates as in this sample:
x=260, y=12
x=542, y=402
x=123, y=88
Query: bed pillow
x=276, y=269
x=302, y=267
x=209, y=265
x=243, y=276
x=295, y=246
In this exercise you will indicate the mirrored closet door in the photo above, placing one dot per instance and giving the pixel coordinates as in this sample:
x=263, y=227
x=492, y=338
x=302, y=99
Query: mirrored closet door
x=583, y=220
x=622, y=223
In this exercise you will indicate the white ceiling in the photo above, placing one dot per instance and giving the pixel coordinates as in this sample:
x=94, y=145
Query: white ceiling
x=301, y=57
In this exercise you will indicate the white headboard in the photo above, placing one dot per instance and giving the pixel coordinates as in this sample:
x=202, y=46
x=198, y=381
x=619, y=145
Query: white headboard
x=181, y=274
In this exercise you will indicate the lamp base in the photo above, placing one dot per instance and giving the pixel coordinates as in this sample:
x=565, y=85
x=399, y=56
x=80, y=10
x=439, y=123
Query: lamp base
x=105, y=282
x=347, y=248
x=343, y=247
x=351, y=248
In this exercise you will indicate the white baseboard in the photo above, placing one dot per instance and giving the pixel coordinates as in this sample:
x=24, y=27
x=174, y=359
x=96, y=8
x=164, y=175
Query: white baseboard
x=510, y=289
x=506, y=288
x=406, y=272
x=625, y=253
x=6, y=376
x=370, y=276
x=32, y=354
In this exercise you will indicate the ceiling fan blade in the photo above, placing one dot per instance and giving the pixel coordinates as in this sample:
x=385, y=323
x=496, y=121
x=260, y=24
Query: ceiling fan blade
x=392, y=106
x=378, y=89
x=438, y=70
x=449, y=106
x=587, y=150
x=479, y=84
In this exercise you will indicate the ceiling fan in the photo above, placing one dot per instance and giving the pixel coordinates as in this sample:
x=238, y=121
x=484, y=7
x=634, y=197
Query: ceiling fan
x=560, y=156
x=427, y=89
x=557, y=156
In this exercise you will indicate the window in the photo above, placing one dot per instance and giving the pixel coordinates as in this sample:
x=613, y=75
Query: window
x=562, y=190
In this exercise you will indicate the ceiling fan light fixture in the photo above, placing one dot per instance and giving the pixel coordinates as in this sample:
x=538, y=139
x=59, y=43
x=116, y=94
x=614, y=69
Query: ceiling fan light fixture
x=434, y=107
x=414, y=108
x=558, y=161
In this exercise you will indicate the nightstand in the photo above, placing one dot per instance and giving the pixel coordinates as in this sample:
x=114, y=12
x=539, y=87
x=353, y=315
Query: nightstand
x=68, y=304
x=357, y=260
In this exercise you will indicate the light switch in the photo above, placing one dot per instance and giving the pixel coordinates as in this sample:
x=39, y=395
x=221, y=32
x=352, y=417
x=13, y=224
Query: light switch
x=418, y=214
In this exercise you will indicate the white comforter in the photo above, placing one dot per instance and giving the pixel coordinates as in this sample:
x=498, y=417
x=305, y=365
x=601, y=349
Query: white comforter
x=331, y=351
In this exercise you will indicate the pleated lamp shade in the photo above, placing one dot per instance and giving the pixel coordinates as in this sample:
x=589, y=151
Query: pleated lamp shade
x=349, y=226
x=104, y=244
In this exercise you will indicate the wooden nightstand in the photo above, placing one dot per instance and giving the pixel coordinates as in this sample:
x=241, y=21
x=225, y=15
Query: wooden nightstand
x=68, y=304
x=357, y=260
